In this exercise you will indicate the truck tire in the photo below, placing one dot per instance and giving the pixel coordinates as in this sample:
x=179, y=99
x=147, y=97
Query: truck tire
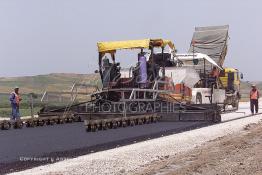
x=198, y=98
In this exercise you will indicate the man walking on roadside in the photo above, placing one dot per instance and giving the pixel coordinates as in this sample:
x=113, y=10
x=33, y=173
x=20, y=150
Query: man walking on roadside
x=15, y=101
x=254, y=96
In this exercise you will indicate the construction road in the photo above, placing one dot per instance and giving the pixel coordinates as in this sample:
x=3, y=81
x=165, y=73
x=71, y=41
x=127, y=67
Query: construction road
x=40, y=141
x=23, y=148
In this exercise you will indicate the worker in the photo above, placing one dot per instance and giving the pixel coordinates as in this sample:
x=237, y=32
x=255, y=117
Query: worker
x=212, y=79
x=214, y=73
x=15, y=101
x=254, y=96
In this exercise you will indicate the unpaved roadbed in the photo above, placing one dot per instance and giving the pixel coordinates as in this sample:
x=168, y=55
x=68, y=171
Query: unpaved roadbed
x=239, y=153
x=133, y=158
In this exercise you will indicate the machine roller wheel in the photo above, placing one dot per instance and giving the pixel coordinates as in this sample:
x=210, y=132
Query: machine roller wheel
x=47, y=122
x=40, y=123
x=5, y=125
x=109, y=125
x=58, y=121
x=99, y=126
x=140, y=121
x=18, y=125
x=114, y=124
x=119, y=124
x=94, y=127
x=104, y=126
x=88, y=128
x=50, y=122
x=30, y=123
x=154, y=120
x=69, y=120
x=132, y=123
x=158, y=118
x=124, y=123
x=147, y=120
x=79, y=119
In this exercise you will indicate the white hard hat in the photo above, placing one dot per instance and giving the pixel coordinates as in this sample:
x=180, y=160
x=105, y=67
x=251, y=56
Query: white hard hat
x=16, y=87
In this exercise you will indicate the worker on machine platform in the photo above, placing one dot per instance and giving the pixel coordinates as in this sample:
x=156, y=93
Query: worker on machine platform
x=15, y=101
x=254, y=96
x=214, y=73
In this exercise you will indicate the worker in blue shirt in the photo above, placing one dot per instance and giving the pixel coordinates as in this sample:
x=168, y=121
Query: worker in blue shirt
x=15, y=101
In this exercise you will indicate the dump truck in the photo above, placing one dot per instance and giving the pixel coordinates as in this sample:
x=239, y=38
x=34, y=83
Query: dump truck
x=212, y=41
x=207, y=52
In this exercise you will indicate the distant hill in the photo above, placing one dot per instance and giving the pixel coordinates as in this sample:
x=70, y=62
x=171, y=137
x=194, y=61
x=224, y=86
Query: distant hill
x=50, y=82
x=246, y=86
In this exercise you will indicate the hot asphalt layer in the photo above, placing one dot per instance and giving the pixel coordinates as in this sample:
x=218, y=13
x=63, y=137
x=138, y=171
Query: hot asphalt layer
x=41, y=141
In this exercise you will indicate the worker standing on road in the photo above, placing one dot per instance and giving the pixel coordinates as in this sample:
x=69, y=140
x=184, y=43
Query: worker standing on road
x=15, y=101
x=254, y=96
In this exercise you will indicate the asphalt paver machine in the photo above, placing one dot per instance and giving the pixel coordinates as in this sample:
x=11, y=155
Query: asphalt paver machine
x=146, y=92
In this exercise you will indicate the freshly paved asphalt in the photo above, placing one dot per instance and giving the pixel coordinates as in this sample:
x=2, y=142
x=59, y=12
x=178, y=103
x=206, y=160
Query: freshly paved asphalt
x=40, y=141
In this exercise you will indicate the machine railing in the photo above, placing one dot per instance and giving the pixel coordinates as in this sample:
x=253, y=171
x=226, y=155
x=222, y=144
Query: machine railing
x=144, y=94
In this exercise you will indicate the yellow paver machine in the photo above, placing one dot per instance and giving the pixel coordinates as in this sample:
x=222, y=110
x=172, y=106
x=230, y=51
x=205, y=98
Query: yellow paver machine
x=147, y=91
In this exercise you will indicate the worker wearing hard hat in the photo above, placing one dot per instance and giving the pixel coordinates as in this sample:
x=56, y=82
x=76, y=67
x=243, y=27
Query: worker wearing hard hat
x=254, y=96
x=15, y=101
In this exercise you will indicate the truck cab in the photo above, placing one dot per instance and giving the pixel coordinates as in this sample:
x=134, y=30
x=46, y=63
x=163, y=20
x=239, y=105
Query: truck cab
x=230, y=80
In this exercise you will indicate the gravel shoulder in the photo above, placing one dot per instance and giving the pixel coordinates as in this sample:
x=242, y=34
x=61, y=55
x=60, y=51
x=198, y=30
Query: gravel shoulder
x=239, y=153
x=132, y=159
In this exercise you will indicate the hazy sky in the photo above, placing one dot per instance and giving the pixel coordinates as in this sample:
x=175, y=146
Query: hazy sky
x=47, y=36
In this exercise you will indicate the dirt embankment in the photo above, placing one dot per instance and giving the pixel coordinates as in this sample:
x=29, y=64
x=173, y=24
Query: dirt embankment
x=238, y=154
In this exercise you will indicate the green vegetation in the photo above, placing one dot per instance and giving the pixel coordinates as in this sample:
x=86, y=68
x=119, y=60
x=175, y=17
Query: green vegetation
x=5, y=108
x=58, y=82
x=6, y=112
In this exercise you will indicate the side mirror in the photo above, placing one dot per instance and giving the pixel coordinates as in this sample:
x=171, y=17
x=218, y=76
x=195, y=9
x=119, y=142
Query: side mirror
x=241, y=76
x=96, y=71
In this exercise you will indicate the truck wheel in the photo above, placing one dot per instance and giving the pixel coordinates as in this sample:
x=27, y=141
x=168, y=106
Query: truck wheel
x=198, y=98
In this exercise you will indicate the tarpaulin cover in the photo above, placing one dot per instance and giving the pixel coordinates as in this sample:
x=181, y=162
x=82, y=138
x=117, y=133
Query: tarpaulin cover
x=185, y=75
x=211, y=41
x=109, y=47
